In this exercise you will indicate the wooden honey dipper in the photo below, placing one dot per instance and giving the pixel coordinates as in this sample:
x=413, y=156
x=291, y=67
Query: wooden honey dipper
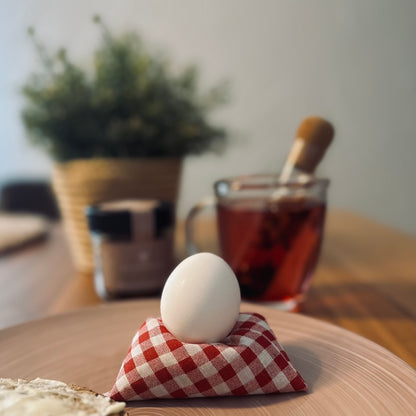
x=312, y=139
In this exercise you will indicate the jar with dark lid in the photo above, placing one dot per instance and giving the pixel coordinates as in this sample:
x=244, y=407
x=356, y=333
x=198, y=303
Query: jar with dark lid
x=133, y=246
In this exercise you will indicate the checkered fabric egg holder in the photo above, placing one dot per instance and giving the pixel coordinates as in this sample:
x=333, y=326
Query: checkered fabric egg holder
x=249, y=361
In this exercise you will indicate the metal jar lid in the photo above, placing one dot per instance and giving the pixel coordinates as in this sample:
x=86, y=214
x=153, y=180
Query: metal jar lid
x=114, y=218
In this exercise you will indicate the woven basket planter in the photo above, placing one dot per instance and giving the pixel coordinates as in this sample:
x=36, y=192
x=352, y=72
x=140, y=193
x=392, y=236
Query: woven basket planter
x=80, y=183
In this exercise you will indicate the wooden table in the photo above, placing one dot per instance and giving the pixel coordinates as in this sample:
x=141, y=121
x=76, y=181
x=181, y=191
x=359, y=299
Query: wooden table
x=365, y=281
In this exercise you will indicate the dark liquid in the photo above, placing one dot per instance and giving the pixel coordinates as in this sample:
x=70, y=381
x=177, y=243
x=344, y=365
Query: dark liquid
x=272, y=250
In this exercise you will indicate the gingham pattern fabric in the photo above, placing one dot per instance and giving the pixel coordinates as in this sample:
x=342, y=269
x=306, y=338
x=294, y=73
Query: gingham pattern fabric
x=249, y=361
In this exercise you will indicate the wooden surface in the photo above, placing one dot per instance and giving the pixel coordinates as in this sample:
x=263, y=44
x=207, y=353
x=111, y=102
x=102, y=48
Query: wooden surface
x=346, y=374
x=365, y=281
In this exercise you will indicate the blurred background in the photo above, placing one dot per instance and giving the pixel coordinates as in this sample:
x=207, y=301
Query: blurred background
x=352, y=62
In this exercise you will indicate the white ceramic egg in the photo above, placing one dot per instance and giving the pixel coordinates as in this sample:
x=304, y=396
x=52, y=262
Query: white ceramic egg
x=201, y=299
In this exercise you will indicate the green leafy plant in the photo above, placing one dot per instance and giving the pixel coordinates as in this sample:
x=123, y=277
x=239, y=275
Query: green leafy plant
x=131, y=104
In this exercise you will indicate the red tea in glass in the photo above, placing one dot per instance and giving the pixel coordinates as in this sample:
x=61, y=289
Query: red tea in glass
x=272, y=249
x=270, y=234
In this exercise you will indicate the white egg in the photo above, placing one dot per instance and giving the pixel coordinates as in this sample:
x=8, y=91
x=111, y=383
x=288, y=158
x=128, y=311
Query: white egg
x=201, y=299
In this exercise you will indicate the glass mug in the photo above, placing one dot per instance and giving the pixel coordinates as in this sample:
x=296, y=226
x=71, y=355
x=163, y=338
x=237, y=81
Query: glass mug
x=270, y=233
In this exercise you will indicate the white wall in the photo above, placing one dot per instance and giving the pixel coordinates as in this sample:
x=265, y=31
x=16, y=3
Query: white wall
x=352, y=61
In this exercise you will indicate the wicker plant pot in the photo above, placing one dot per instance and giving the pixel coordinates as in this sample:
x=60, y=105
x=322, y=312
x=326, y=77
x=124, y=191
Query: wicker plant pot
x=80, y=183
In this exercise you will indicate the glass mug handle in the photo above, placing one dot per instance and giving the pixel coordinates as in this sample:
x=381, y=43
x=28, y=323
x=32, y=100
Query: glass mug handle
x=204, y=203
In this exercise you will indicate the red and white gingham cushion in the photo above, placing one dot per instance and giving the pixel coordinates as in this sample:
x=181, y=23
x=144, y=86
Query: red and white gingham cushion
x=249, y=361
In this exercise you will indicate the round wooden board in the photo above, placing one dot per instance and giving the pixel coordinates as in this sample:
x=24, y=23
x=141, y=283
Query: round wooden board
x=17, y=230
x=346, y=374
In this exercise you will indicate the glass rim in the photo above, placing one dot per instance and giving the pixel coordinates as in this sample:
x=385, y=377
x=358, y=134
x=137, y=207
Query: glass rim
x=270, y=181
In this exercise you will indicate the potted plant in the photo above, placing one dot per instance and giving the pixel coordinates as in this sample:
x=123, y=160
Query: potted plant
x=118, y=130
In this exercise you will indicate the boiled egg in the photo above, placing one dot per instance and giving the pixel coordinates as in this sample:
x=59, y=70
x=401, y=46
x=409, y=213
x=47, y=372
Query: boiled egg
x=201, y=299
